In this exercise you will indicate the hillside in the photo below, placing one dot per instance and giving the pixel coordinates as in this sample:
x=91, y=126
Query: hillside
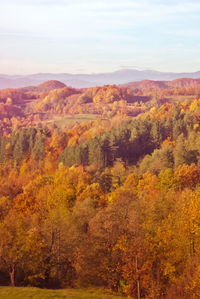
x=152, y=84
x=53, y=101
x=49, y=85
x=100, y=187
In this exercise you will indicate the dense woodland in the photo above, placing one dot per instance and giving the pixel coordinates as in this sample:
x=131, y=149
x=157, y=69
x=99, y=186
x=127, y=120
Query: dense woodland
x=101, y=187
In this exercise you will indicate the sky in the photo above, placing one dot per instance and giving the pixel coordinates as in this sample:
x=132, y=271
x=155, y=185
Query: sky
x=91, y=36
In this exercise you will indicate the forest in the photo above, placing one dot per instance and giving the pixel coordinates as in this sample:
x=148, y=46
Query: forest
x=101, y=187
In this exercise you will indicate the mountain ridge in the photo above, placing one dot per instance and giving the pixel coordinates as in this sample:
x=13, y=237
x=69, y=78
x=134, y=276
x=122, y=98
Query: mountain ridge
x=121, y=76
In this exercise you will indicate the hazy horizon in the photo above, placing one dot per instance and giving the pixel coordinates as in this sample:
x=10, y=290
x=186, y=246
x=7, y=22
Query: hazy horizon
x=96, y=73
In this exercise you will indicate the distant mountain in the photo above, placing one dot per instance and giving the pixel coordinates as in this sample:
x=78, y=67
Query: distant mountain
x=16, y=82
x=90, y=80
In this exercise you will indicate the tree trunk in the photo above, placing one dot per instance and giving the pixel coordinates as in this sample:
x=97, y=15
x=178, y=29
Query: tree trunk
x=12, y=276
x=138, y=281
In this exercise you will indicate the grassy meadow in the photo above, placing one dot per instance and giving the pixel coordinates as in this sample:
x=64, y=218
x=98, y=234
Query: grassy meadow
x=35, y=293
x=71, y=120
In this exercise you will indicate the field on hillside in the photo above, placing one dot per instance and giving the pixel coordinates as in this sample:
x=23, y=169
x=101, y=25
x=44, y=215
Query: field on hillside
x=70, y=120
x=35, y=293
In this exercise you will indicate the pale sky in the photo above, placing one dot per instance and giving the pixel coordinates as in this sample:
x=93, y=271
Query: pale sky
x=85, y=36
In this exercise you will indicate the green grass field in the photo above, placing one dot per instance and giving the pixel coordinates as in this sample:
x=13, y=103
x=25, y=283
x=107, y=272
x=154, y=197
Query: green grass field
x=35, y=293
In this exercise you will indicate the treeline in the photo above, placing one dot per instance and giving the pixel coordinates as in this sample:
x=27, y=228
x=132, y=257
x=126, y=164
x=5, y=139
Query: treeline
x=134, y=139
x=174, y=136
x=28, y=142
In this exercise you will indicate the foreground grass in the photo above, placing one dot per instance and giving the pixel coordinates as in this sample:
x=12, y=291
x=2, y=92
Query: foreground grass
x=35, y=293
